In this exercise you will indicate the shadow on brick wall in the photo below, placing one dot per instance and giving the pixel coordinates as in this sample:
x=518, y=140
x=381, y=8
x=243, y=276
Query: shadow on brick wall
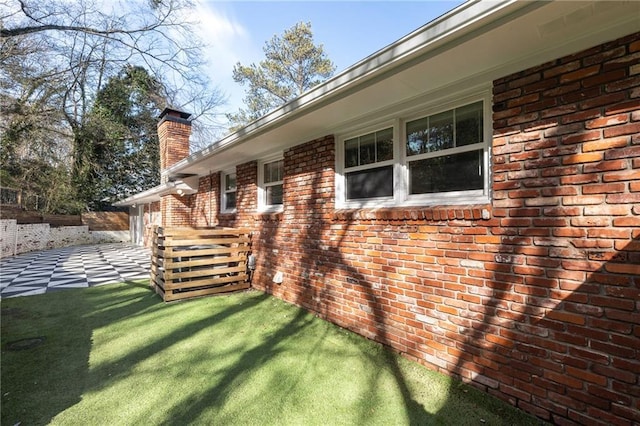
x=560, y=342
x=311, y=258
x=555, y=333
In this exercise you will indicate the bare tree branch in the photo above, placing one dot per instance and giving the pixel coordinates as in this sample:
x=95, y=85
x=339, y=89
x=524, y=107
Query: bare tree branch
x=57, y=55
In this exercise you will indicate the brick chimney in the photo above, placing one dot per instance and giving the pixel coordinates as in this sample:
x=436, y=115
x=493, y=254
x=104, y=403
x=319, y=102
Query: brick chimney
x=174, y=129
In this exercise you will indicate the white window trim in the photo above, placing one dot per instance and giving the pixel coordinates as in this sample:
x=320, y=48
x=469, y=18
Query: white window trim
x=341, y=180
x=401, y=196
x=263, y=207
x=223, y=191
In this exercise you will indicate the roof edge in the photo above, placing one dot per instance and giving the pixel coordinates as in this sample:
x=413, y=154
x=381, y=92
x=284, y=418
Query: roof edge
x=430, y=35
x=185, y=186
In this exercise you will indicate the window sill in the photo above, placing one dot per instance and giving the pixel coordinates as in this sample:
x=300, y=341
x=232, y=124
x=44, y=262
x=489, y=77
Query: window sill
x=429, y=213
x=268, y=216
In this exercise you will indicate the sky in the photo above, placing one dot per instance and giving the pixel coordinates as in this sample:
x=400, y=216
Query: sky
x=236, y=31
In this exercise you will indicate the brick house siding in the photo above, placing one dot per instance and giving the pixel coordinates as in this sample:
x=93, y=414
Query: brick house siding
x=204, y=206
x=175, y=210
x=535, y=297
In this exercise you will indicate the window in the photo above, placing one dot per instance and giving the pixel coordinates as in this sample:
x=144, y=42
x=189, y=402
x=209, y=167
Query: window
x=228, y=192
x=445, y=151
x=369, y=165
x=425, y=159
x=271, y=185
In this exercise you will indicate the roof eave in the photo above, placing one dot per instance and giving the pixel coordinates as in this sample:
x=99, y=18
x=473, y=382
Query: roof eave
x=429, y=36
x=185, y=186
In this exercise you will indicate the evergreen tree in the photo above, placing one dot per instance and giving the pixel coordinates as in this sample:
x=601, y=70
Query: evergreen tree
x=293, y=65
x=120, y=152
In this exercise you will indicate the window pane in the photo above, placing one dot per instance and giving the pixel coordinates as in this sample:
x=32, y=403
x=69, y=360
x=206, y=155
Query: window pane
x=351, y=152
x=274, y=195
x=384, y=145
x=417, y=136
x=273, y=172
x=430, y=134
x=230, y=182
x=370, y=183
x=367, y=149
x=469, y=124
x=267, y=172
x=230, y=200
x=441, y=131
x=457, y=172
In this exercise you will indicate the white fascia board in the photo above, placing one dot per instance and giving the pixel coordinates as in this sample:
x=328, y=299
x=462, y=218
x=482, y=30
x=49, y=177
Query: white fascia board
x=462, y=19
x=186, y=186
x=145, y=197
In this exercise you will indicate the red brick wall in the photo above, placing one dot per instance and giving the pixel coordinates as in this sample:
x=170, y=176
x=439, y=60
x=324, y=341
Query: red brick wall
x=292, y=241
x=173, y=135
x=175, y=210
x=205, y=209
x=205, y=204
x=535, y=297
x=566, y=180
x=247, y=190
x=246, y=198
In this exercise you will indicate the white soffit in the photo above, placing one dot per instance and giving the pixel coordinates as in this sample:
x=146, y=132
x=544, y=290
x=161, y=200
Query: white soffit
x=184, y=186
x=470, y=46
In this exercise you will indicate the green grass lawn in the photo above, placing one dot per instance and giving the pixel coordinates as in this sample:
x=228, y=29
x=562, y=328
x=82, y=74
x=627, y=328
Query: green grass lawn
x=118, y=355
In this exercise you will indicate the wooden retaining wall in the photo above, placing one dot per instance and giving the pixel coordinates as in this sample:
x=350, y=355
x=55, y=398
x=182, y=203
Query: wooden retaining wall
x=193, y=262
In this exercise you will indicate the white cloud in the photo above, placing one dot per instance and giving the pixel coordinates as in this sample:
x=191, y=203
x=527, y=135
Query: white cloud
x=228, y=42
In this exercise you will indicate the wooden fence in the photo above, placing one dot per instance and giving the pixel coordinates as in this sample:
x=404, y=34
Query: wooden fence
x=27, y=217
x=193, y=262
x=106, y=221
x=96, y=221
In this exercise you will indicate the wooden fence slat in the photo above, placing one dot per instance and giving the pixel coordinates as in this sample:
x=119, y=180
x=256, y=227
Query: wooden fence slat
x=203, y=282
x=169, y=296
x=218, y=260
x=169, y=241
x=208, y=252
x=170, y=275
x=169, y=232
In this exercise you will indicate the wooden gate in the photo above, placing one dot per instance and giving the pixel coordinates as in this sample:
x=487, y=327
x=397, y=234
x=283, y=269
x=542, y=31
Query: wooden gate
x=192, y=262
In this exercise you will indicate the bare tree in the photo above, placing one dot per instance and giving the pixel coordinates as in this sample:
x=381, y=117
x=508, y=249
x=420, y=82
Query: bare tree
x=55, y=56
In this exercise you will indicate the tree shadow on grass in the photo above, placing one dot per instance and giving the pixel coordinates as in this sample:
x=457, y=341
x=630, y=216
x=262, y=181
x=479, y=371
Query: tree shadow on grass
x=313, y=258
x=190, y=410
x=39, y=383
x=42, y=382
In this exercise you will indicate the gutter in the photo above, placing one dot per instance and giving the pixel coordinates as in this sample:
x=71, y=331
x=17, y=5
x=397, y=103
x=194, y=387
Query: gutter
x=431, y=36
x=185, y=186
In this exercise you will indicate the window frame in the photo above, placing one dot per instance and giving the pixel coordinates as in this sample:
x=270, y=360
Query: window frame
x=224, y=191
x=341, y=181
x=263, y=207
x=401, y=174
